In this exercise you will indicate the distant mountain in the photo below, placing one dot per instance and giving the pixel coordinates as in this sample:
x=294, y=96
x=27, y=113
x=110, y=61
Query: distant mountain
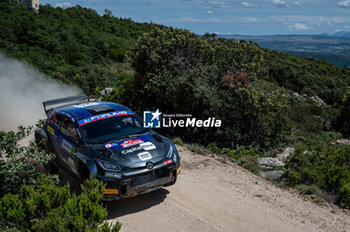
x=345, y=34
x=333, y=48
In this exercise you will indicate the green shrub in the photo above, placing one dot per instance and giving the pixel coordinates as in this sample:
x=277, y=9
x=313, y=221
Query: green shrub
x=197, y=148
x=342, y=122
x=119, y=92
x=214, y=148
x=178, y=141
x=345, y=195
x=18, y=163
x=118, y=54
x=324, y=166
x=308, y=189
x=241, y=151
x=250, y=163
x=53, y=208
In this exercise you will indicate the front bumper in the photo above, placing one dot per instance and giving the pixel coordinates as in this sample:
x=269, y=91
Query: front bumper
x=141, y=181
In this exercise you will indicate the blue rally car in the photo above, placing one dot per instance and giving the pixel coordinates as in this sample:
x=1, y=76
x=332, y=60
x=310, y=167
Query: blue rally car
x=107, y=141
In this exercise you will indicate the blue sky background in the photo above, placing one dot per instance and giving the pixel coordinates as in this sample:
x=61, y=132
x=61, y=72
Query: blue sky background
x=246, y=17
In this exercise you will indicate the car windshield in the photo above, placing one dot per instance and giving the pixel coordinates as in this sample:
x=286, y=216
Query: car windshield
x=113, y=128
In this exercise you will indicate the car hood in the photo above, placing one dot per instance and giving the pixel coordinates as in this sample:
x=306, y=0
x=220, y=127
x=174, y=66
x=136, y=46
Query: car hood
x=135, y=152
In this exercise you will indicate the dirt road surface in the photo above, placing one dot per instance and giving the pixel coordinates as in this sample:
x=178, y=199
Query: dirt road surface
x=212, y=194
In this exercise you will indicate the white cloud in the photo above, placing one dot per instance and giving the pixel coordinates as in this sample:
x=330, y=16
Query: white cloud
x=214, y=20
x=284, y=4
x=217, y=4
x=300, y=27
x=344, y=4
x=63, y=4
x=279, y=3
x=249, y=5
x=209, y=5
x=243, y=20
x=311, y=20
x=195, y=20
x=303, y=22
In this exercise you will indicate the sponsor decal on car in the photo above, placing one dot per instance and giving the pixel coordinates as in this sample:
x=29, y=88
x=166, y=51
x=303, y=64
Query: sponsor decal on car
x=53, y=118
x=104, y=116
x=113, y=175
x=126, y=143
x=50, y=130
x=148, y=146
x=167, y=162
x=131, y=142
x=108, y=145
x=144, y=156
x=143, y=146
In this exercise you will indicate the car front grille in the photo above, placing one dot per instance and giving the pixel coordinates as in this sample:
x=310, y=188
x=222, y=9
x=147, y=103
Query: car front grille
x=149, y=177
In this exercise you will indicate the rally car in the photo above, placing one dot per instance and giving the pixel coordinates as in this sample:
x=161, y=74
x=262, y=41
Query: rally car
x=107, y=141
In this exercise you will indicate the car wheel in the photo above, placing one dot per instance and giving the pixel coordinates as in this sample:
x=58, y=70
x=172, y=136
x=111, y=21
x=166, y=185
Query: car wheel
x=50, y=168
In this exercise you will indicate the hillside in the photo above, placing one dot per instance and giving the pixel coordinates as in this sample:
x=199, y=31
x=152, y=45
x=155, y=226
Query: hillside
x=266, y=100
x=335, y=59
x=334, y=48
x=75, y=45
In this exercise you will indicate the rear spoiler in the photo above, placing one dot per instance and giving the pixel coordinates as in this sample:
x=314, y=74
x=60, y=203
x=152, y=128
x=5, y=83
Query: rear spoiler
x=63, y=100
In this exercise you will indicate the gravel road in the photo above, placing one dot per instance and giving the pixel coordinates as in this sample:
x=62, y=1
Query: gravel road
x=213, y=194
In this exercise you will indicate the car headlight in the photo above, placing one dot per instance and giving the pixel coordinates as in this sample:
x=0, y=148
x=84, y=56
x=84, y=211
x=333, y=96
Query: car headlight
x=112, y=166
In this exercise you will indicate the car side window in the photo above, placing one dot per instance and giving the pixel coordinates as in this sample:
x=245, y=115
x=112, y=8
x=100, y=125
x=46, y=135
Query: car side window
x=68, y=129
x=137, y=123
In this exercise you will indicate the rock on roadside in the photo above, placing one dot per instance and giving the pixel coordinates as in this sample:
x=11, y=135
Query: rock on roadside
x=269, y=163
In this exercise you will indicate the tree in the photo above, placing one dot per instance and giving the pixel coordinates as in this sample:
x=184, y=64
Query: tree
x=178, y=71
x=108, y=13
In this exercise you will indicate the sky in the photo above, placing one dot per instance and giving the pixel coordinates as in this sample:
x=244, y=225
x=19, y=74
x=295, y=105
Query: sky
x=246, y=17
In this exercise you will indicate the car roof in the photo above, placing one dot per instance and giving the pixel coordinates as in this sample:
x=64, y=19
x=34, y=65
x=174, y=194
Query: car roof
x=88, y=109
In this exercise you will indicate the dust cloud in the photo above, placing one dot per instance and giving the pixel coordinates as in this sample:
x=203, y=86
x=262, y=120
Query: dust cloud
x=22, y=91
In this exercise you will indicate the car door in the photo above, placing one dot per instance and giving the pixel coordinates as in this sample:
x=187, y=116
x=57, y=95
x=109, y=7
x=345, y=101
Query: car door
x=55, y=136
x=69, y=143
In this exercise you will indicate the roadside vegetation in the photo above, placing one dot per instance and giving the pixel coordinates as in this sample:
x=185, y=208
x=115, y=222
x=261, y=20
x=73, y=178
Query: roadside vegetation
x=325, y=167
x=32, y=201
x=267, y=100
